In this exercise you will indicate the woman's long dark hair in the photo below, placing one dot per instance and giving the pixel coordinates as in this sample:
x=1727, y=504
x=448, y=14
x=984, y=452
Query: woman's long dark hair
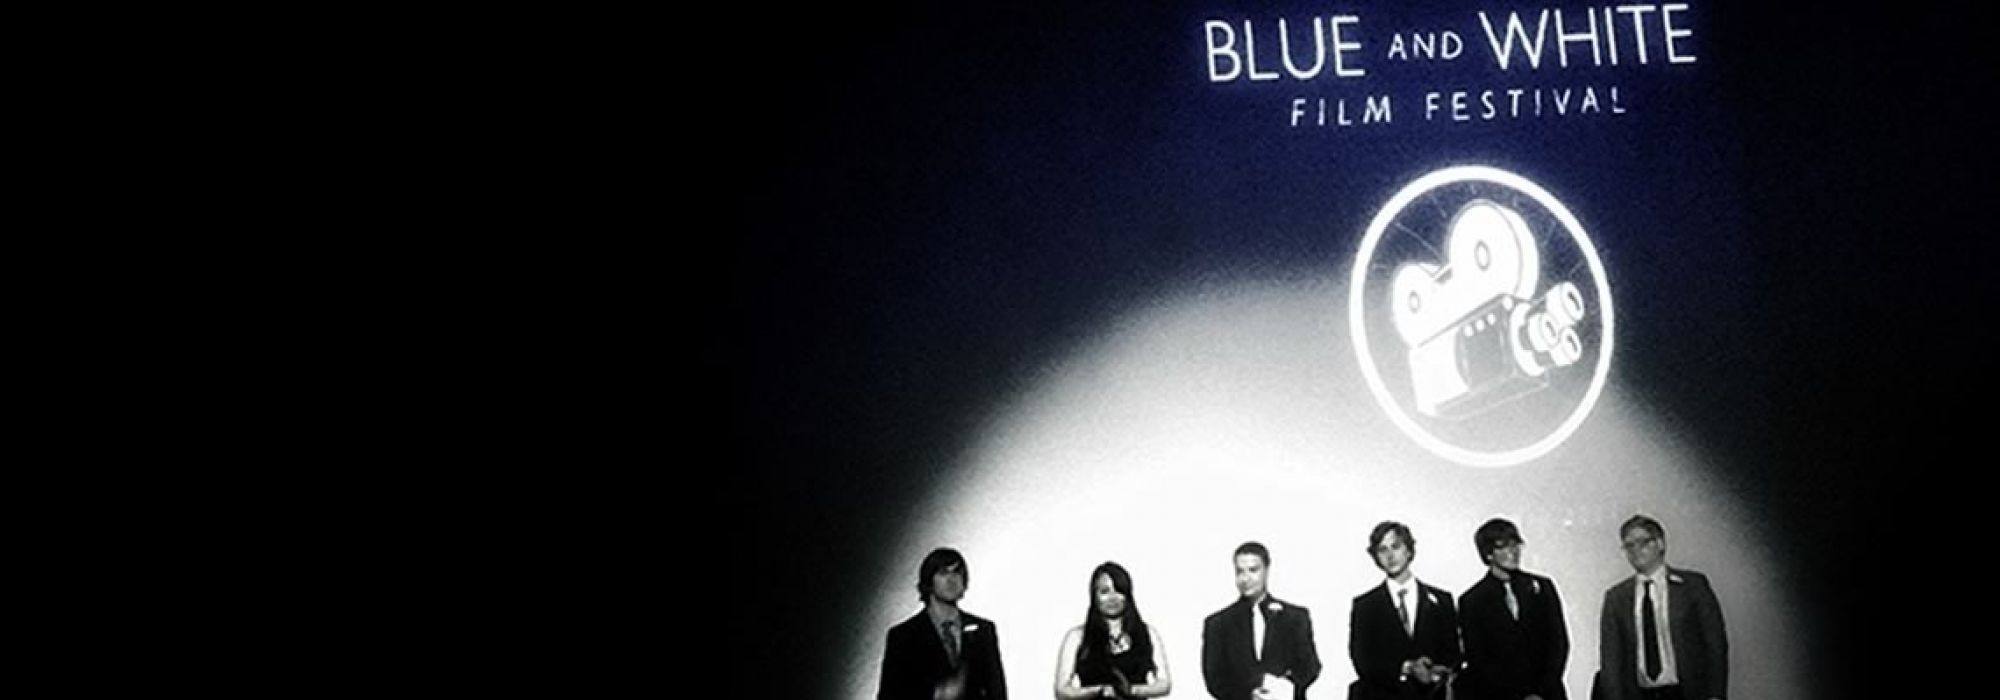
x=1097, y=633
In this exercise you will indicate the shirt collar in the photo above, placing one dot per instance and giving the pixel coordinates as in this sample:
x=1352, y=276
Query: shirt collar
x=1657, y=576
x=1410, y=585
x=1258, y=605
x=938, y=620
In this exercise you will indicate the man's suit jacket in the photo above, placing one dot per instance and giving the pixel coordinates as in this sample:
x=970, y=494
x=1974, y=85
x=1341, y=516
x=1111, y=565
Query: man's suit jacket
x=1701, y=646
x=1230, y=665
x=1509, y=658
x=1377, y=644
x=914, y=661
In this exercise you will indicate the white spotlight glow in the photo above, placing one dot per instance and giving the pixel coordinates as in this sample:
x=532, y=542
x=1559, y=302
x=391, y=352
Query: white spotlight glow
x=1224, y=416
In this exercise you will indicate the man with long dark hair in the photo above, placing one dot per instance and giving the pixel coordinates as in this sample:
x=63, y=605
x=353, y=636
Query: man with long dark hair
x=943, y=653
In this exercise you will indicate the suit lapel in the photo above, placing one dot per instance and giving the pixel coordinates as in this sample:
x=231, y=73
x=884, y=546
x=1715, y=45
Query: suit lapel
x=1625, y=598
x=1246, y=629
x=932, y=643
x=1385, y=606
x=1426, y=616
x=1677, y=604
x=968, y=638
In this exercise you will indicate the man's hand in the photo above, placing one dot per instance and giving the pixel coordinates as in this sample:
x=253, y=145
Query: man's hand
x=1423, y=675
x=951, y=688
x=1274, y=688
x=1422, y=670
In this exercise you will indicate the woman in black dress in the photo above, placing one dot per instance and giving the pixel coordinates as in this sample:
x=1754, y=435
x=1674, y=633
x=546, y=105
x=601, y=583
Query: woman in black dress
x=1114, y=653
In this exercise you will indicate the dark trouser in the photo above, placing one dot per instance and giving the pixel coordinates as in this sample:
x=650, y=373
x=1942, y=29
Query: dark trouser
x=1672, y=692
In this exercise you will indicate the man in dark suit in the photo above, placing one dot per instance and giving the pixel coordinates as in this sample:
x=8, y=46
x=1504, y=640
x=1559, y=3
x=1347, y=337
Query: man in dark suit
x=1403, y=634
x=1258, y=646
x=1661, y=635
x=1516, y=643
x=942, y=653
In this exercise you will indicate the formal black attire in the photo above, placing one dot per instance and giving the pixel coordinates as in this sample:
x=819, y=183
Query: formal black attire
x=1700, y=643
x=1510, y=656
x=1103, y=667
x=1230, y=664
x=1378, y=644
x=915, y=661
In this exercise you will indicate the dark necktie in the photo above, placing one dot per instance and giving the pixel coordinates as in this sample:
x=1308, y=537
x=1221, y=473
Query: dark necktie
x=1260, y=625
x=1652, y=633
x=951, y=641
x=1404, y=612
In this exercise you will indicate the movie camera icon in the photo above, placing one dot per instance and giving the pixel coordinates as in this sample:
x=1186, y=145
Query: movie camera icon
x=1478, y=336
x=1481, y=316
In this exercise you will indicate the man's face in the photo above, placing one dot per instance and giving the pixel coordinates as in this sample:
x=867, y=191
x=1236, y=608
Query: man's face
x=1643, y=550
x=1508, y=555
x=1392, y=554
x=1250, y=573
x=948, y=584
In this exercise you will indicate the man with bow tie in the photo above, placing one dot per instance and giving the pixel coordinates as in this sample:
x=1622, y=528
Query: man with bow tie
x=1516, y=643
x=1258, y=648
x=943, y=653
x=1661, y=635
x=1403, y=634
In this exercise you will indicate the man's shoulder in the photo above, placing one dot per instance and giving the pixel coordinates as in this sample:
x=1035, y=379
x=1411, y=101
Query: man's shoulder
x=972, y=620
x=1679, y=575
x=1485, y=586
x=1687, y=577
x=1285, y=607
x=1215, y=618
x=915, y=623
x=1381, y=589
x=1539, y=583
x=1437, y=596
x=1625, y=589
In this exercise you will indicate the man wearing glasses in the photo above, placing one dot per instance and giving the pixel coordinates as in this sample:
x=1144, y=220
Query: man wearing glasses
x=1661, y=635
x=1516, y=643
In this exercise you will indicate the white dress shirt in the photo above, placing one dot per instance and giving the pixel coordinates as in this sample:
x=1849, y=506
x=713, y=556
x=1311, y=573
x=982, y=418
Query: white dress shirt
x=1408, y=600
x=1666, y=636
x=1257, y=627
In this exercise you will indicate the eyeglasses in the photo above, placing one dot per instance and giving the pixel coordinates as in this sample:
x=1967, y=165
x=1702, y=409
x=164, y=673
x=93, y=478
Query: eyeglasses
x=1630, y=545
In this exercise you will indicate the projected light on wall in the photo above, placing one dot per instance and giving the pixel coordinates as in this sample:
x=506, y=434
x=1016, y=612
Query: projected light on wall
x=1231, y=414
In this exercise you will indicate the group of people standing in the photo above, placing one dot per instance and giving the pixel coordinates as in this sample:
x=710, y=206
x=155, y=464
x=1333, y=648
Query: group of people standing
x=1661, y=633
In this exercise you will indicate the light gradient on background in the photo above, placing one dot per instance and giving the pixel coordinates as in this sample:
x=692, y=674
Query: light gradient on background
x=1234, y=413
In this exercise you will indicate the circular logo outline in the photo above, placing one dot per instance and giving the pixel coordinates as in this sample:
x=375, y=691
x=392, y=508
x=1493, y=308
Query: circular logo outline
x=1358, y=332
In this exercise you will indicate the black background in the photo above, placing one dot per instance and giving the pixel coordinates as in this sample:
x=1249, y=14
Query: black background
x=886, y=281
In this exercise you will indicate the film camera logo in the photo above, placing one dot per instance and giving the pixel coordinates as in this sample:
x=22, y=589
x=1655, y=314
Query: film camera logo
x=1481, y=316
